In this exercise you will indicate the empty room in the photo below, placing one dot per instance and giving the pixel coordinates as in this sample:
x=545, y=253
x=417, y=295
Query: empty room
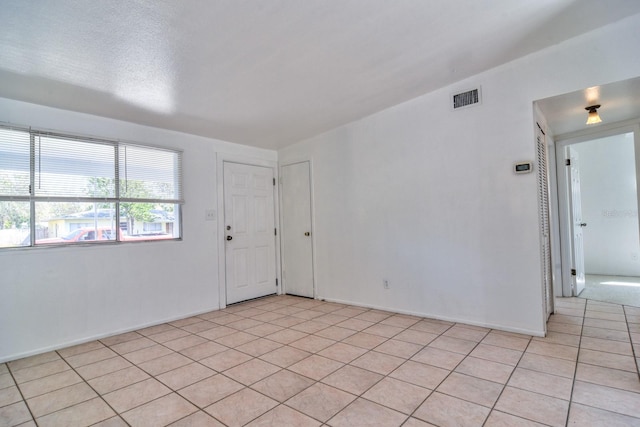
x=319, y=212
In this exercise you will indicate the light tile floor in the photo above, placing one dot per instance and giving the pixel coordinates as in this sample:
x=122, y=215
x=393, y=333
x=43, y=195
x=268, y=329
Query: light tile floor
x=287, y=361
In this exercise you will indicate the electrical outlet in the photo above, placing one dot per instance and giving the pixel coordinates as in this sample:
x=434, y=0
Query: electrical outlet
x=385, y=284
x=210, y=215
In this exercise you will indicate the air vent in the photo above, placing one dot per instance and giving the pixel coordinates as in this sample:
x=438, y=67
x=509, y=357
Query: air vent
x=466, y=99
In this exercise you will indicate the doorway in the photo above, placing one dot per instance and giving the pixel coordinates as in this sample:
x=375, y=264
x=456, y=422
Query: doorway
x=297, y=235
x=249, y=231
x=598, y=200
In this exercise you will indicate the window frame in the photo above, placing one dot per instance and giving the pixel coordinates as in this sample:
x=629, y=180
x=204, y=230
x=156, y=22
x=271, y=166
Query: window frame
x=32, y=198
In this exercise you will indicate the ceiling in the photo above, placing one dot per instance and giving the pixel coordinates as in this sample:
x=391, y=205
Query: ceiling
x=267, y=73
x=620, y=101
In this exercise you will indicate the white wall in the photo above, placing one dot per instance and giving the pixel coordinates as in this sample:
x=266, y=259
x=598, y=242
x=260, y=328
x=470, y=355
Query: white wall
x=426, y=198
x=609, y=205
x=53, y=297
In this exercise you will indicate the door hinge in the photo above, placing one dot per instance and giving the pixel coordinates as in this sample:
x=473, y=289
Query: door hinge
x=276, y=281
x=275, y=231
x=274, y=181
x=567, y=162
x=574, y=272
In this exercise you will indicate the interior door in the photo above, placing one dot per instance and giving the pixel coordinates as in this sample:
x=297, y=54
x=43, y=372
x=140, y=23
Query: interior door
x=543, y=198
x=250, y=261
x=297, y=248
x=575, y=208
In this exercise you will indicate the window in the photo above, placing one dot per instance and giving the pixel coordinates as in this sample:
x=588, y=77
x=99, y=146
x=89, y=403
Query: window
x=61, y=189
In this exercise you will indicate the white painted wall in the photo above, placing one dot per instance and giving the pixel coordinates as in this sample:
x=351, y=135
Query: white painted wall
x=609, y=206
x=426, y=198
x=53, y=297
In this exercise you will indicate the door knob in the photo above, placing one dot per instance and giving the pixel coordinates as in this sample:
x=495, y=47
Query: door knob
x=306, y=233
x=583, y=224
x=229, y=238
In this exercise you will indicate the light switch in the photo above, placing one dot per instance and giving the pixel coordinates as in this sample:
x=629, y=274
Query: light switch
x=210, y=214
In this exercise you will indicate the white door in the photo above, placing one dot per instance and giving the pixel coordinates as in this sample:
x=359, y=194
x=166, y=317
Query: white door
x=543, y=198
x=250, y=261
x=297, y=255
x=575, y=209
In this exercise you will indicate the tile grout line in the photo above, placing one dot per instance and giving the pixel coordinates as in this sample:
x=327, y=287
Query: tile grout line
x=575, y=370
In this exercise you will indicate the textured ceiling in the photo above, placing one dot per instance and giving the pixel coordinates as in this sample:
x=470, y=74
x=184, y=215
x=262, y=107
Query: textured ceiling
x=267, y=73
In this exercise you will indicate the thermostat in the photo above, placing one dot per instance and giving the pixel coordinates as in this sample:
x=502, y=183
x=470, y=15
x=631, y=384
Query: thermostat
x=523, y=167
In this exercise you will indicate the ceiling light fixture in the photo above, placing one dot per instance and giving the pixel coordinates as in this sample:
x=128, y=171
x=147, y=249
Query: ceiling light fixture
x=593, y=117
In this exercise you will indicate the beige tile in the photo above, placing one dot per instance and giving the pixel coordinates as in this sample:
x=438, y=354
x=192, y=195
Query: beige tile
x=39, y=371
x=420, y=374
x=283, y=416
x=581, y=415
x=152, y=330
x=201, y=326
x=103, y=367
x=500, y=419
x=471, y=389
x=364, y=340
x=120, y=338
x=90, y=357
x=506, y=341
x=349, y=311
x=455, y=345
x=608, y=360
x=185, y=342
x=29, y=362
x=185, y=375
x=607, y=398
x=398, y=395
x=3, y=368
x=210, y=390
x=49, y=383
x=288, y=321
x=401, y=320
x=355, y=324
x=416, y=337
x=60, y=399
x=197, y=419
x=203, y=350
x=609, y=377
x=331, y=319
x=320, y=401
x=335, y=333
x=6, y=380
x=465, y=333
x=497, y=354
x=14, y=414
x=548, y=365
x=9, y=396
x=282, y=385
x=386, y=331
x=285, y=356
x=240, y=408
x=315, y=367
x=564, y=328
x=286, y=336
x=570, y=320
x=352, y=379
x=81, y=348
x=236, y=339
x=264, y=329
x=185, y=322
x=433, y=326
x=609, y=346
x=443, y=410
x=159, y=412
x=312, y=343
x=360, y=410
x=310, y=326
x=533, y=406
x=437, y=357
x=373, y=315
x=215, y=333
x=553, y=350
x=168, y=335
x=341, y=352
x=132, y=345
x=118, y=379
x=111, y=422
x=252, y=371
x=595, y=314
x=145, y=354
x=399, y=348
x=243, y=324
x=164, y=364
x=538, y=382
x=606, y=324
x=559, y=338
x=414, y=422
x=225, y=360
x=136, y=394
x=577, y=312
x=378, y=362
x=83, y=414
x=485, y=369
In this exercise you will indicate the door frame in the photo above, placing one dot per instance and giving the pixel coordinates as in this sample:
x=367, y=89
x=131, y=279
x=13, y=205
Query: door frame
x=562, y=188
x=313, y=220
x=221, y=159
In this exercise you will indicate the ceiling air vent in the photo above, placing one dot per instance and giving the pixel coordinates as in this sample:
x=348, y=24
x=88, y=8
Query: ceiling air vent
x=466, y=99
